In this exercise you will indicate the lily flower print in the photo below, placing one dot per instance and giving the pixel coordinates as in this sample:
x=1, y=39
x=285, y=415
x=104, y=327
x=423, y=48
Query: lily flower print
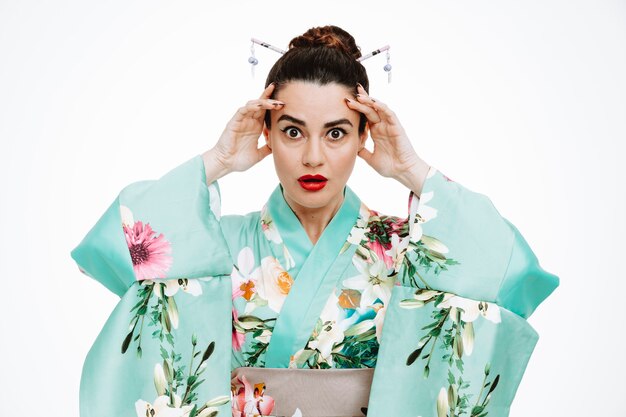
x=269, y=227
x=397, y=251
x=189, y=286
x=161, y=408
x=373, y=282
x=332, y=331
x=248, y=400
x=420, y=212
x=471, y=309
x=357, y=234
x=245, y=277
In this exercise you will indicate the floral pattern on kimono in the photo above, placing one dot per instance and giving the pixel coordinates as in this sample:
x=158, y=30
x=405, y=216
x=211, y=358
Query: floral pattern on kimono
x=436, y=300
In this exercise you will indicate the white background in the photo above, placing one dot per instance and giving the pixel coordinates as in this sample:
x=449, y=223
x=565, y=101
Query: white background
x=522, y=101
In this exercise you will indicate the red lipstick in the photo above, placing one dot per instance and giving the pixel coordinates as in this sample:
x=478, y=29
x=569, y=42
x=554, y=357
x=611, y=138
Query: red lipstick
x=312, y=182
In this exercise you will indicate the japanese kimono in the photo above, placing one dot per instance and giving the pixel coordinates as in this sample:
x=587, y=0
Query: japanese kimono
x=423, y=315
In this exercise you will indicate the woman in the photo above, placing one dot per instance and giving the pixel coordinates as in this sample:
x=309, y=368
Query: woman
x=315, y=304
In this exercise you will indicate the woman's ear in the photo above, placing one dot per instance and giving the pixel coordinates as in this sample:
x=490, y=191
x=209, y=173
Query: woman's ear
x=266, y=133
x=363, y=136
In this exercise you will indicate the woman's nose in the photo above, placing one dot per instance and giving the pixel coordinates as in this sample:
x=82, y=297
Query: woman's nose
x=313, y=154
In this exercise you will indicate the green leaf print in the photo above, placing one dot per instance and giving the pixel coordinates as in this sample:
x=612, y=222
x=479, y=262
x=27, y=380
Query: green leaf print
x=171, y=375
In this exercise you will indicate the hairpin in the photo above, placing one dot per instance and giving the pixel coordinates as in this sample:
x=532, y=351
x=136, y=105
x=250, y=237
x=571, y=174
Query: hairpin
x=253, y=61
x=387, y=66
x=267, y=45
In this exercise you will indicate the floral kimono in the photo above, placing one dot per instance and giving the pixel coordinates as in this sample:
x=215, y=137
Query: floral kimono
x=432, y=307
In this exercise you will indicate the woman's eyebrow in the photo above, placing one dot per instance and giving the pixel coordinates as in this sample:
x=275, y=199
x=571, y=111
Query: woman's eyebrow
x=338, y=122
x=292, y=119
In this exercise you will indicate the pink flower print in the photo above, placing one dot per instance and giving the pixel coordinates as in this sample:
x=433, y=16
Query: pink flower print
x=394, y=225
x=249, y=401
x=238, y=338
x=381, y=251
x=150, y=253
x=377, y=236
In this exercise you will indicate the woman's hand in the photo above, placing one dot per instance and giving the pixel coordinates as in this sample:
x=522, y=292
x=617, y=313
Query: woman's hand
x=393, y=155
x=237, y=148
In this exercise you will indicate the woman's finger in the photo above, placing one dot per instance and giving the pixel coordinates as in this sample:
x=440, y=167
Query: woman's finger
x=367, y=110
x=267, y=93
x=383, y=110
x=263, y=151
x=255, y=107
x=366, y=155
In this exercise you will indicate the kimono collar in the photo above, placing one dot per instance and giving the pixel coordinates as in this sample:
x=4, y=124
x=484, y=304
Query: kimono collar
x=292, y=232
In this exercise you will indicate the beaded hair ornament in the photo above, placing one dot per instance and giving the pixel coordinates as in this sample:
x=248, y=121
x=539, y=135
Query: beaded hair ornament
x=253, y=61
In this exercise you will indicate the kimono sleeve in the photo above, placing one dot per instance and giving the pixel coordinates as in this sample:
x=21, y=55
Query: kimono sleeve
x=165, y=228
x=525, y=283
x=103, y=253
x=455, y=338
x=465, y=246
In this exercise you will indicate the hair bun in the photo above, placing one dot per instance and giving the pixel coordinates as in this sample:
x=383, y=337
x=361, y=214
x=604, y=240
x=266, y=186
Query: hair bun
x=329, y=36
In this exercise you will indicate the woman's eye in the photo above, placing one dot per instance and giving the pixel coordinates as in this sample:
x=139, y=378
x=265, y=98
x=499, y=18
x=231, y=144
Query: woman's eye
x=336, y=134
x=292, y=132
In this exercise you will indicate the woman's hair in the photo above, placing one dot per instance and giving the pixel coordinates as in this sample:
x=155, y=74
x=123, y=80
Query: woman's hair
x=323, y=55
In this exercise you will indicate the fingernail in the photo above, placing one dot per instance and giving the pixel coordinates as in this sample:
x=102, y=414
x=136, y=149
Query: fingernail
x=359, y=85
x=348, y=100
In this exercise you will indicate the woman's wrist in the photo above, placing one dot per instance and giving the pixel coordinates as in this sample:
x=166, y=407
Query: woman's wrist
x=414, y=177
x=214, y=167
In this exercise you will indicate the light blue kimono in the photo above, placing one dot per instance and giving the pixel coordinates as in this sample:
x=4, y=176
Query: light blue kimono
x=436, y=302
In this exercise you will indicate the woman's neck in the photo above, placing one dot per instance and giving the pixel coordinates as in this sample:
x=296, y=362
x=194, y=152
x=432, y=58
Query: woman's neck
x=315, y=220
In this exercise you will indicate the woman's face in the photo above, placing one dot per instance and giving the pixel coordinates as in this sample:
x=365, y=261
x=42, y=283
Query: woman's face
x=314, y=134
